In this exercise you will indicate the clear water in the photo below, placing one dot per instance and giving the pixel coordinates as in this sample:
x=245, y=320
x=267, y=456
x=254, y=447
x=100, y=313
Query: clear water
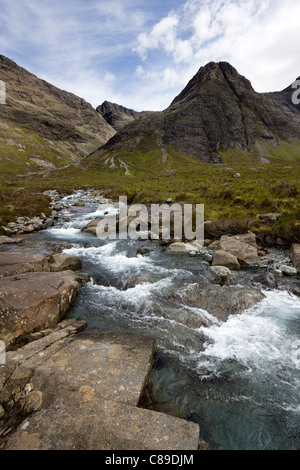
x=239, y=380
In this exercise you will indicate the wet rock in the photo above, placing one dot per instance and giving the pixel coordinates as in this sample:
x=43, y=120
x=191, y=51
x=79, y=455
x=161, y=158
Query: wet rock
x=63, y=262
x=91, y=227
x=221, y=275
x=220, y=302
x=10, y=241
x=288, y=270
x=79, y=204
x=266, y=280
x=143, y=278
x=48, y=223
x=222, y=258
x=296, y=291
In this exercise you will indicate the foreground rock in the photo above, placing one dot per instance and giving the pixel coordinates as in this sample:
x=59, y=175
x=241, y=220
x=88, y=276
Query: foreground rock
x=84, y=395
x=34, y=301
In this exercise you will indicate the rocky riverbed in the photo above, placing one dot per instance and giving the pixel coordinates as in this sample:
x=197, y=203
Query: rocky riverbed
x=174, y=293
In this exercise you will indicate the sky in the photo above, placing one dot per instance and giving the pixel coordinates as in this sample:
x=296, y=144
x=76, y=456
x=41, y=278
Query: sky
x=141, y=54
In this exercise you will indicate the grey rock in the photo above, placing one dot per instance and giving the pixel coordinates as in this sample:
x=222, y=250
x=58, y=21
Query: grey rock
x=267, y=280
x=288, y=270
x=34, y=301
x=221, y=275
x=223, y=258
x=63, y=262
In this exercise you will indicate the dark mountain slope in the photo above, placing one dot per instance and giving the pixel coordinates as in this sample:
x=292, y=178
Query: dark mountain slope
x=118, y=116
x=217, y=111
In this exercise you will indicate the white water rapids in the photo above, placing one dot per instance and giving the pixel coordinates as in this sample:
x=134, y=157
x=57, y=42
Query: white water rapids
x=240, y=379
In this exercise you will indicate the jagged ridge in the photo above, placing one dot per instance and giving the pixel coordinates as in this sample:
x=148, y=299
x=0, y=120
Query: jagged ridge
x=218, y=110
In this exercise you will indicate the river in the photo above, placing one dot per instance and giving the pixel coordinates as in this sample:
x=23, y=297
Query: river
x=239, y=380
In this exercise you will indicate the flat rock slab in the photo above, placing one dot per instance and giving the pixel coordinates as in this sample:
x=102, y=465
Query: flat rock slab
x=111, y=365
x=10, y=241
x=34, y=301
x=90, y=385
x=20, y=263
x=90, y=423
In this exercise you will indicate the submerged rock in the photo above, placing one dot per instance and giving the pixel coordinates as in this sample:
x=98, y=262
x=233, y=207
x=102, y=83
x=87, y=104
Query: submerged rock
x=221, y=302
x=266, y=280
x=221, y=275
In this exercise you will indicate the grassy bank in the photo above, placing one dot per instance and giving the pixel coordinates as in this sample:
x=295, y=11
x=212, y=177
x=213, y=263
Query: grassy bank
x=244, y=186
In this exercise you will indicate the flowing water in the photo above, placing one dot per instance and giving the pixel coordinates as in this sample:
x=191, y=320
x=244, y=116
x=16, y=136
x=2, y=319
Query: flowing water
x=239, y=380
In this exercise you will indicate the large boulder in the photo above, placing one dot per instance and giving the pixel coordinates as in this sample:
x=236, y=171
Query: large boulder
x=249, y=238
x=34, y=301
x=246, y=253
x=91, y=227
x=63, y=262
x=295, y=255
x=222, y=258
x=220, y=302
x=19, y=263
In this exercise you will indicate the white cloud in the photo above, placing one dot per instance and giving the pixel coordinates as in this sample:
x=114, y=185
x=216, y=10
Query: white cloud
x=163, y=35
x=117, y=51
x=259, y=38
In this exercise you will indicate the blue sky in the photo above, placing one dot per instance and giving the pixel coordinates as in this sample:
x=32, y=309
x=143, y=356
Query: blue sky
x=141, y=54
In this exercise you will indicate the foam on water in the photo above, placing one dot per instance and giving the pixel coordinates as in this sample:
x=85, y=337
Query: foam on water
x=109, y=258
x=258, y=339
x=64, y=232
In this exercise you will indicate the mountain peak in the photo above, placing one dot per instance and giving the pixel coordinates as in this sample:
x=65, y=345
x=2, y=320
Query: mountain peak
x=218, y=110
x=118, y=116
